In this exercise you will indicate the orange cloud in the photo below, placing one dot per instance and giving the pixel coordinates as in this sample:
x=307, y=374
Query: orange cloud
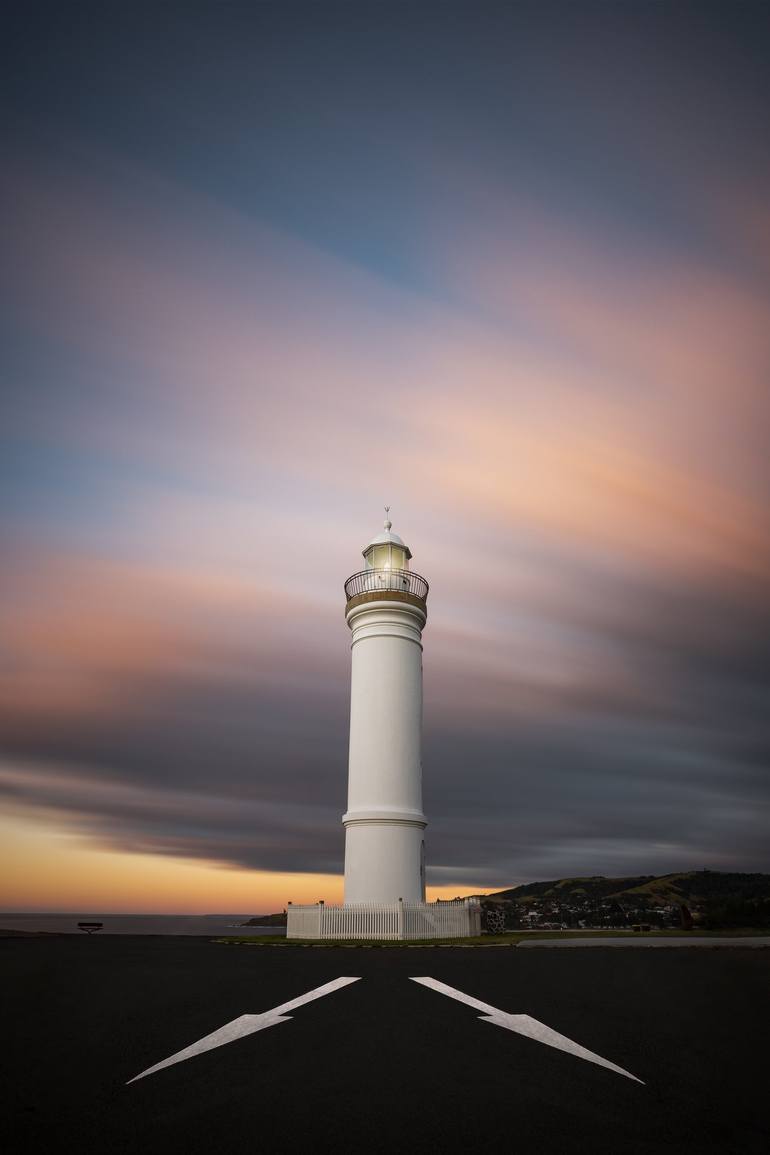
x=47, y=867
x=81, y=632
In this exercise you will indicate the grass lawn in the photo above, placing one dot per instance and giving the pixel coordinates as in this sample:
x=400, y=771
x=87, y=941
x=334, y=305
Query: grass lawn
x=487, y=940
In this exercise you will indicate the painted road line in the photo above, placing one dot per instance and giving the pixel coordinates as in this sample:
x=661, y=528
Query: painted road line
x=246, y=1025
x=525, y=1025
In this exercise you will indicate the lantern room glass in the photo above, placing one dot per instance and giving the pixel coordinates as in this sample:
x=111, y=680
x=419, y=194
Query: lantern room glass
x=386, y=556
x=378, y=556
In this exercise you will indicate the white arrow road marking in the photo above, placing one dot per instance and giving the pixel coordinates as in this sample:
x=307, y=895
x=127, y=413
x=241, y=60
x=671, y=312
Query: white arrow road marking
x=246, y=1025
x=524, y=1025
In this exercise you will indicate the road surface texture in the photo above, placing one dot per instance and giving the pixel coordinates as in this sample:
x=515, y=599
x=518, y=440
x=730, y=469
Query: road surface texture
x=383, y=1064
x=667, y=942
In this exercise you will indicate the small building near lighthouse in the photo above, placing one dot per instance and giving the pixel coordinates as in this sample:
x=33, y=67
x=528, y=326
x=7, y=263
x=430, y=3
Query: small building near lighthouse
x=386, y=612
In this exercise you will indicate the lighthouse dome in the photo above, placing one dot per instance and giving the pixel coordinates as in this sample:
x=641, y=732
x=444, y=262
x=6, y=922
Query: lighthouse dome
x=388, y=549
x=387, y=537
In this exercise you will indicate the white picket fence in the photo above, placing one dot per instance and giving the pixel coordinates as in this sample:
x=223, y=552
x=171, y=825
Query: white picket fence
x=395, y=920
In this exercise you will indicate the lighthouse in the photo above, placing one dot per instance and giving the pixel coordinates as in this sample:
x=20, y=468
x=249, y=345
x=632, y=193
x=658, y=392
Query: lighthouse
x=386, y=608
x=386, y=611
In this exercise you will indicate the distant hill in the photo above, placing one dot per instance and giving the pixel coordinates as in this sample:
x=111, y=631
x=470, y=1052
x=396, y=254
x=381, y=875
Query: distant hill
x=267, y=920
x=690, y=886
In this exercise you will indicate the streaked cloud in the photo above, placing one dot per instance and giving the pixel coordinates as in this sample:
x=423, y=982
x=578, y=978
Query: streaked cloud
x=219, y=365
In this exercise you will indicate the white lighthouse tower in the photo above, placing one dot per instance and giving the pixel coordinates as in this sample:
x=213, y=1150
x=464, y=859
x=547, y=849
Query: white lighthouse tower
x=384, y=825
x=386, y=610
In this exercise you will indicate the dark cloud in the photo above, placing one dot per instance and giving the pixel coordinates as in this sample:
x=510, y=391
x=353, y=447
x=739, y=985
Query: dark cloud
x=664, y=771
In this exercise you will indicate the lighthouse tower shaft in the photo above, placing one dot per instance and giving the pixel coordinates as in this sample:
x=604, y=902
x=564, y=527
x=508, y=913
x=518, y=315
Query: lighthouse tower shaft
x=384, y=824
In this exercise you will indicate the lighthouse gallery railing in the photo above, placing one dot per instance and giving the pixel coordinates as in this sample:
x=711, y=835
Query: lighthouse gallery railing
x=368, y=581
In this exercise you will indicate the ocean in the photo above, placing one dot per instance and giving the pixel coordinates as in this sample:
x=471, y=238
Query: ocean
x=212, y=925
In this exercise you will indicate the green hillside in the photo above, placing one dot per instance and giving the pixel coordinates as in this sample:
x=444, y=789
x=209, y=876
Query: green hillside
x=684, y=886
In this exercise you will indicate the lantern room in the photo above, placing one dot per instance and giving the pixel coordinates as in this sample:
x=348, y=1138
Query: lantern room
x=387, y=571
x=387, y=551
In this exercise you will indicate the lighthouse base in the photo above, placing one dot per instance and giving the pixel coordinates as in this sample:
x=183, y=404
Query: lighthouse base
x=386, y=920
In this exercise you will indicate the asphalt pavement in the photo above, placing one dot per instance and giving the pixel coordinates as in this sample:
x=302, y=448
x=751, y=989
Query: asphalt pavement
x=384, y=1063
x=633, y=942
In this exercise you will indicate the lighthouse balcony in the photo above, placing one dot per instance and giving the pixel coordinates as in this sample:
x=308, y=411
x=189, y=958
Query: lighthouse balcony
x=389, y=584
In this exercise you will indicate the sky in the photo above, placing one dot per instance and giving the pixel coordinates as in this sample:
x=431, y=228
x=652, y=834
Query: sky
x=267, y=268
